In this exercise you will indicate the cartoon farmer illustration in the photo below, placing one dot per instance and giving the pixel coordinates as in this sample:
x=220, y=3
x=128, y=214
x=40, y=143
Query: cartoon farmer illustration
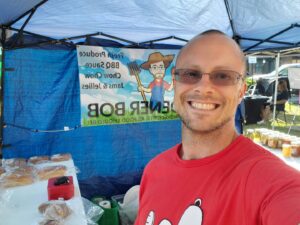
x=157, y=65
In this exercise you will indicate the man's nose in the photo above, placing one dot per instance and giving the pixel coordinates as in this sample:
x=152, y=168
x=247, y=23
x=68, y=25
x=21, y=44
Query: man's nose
x=205, y=79
x=204, y=84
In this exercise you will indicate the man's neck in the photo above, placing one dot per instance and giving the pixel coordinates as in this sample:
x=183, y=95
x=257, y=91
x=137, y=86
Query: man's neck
x=200, y=145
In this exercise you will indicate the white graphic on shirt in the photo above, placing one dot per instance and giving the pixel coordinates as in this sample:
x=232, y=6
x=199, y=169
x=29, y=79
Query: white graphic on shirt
x=191, y=216
x=150, y=218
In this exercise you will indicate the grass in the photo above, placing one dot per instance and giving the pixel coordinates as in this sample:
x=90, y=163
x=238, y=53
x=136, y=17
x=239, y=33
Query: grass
x=292, y=118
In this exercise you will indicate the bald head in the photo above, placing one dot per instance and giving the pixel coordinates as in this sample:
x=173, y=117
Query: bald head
x=204, y=105
x=216, y=44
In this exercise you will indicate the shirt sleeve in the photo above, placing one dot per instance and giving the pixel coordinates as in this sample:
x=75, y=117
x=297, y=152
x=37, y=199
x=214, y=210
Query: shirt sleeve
x=283, y=208
x=273, y=193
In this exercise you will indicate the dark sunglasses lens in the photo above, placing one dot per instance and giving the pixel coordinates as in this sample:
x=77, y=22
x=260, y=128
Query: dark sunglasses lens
x=220, y=77
x=224, y=77
x=187, y=76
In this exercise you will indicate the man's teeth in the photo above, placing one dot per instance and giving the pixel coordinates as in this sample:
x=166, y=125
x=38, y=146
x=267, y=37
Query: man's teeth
x=205, y=106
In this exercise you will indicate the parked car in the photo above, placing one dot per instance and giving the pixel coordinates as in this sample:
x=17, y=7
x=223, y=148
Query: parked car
x=265, y=83
x=282, y=72
x=266, y=87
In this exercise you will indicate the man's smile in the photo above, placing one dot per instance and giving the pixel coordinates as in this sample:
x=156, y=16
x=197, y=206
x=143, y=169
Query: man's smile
x=203, y=106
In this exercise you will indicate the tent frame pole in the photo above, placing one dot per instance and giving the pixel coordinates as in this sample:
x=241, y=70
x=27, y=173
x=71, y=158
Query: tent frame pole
x=33, y=34
x=20, y=32
x=55, y=41
x=27, y=32
x=24, y=14
x=117, y=38
x=272, y=36
x=235, y=36
x=156, y=40
x=64, y=40
x=275, y=91
x=162, y=39
x=3, y=39
x=269, y=41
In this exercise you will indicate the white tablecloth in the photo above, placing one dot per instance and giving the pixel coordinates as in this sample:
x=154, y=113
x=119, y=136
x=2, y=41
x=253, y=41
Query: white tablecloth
x=19, y=205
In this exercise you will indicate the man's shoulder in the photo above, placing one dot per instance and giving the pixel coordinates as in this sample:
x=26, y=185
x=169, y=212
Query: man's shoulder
x=255, y=150
x=252, y=154
x=264, y=164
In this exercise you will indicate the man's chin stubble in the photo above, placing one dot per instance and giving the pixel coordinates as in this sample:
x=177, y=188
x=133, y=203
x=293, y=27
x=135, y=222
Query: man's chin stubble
x=188, y=125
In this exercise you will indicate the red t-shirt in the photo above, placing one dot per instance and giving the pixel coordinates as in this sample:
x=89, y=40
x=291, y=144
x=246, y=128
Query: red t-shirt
x=242, y=185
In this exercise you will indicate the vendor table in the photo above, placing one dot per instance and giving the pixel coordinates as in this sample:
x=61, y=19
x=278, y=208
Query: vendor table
x=291, y=161
x=19, y=205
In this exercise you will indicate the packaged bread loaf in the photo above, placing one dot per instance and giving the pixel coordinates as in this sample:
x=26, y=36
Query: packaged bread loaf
x=24, y=170
x=16, y=178
x=14, y=162
x=38, y=159
x=61, y=157
x=51, y=171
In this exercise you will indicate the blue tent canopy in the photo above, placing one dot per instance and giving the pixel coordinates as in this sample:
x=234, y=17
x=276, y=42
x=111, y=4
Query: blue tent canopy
x=267, y=24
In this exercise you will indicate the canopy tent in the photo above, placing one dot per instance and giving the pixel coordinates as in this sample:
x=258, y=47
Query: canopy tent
x=41, y=93
x=255, y=24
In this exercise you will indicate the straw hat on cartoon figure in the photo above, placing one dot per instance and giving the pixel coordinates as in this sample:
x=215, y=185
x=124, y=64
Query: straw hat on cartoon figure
x=156, y=57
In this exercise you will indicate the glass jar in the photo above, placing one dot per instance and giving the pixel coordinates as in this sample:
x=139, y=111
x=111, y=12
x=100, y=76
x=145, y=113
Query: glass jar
x=264, y=137
x=295, y=145
x=250, y=133
x=272, y=141
x=286, y=139
x=286, y=150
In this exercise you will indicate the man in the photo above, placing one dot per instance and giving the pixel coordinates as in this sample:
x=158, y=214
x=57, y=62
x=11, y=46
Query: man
x=282, y=98
x=157, y=65
x=215, y=176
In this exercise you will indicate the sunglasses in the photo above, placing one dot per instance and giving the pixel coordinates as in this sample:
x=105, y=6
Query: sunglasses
x=217, y=77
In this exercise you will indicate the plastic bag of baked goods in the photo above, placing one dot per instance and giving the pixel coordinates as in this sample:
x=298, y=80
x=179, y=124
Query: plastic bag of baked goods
x=93, y=212
x=34, y=160
x=48, y=172
x=61, y=157
x=56, y=210
x=17, y=177
x=13, y=163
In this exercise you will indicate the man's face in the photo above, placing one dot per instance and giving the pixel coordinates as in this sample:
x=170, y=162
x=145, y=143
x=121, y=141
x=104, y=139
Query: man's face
x=157, y=70
x=204, y=106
